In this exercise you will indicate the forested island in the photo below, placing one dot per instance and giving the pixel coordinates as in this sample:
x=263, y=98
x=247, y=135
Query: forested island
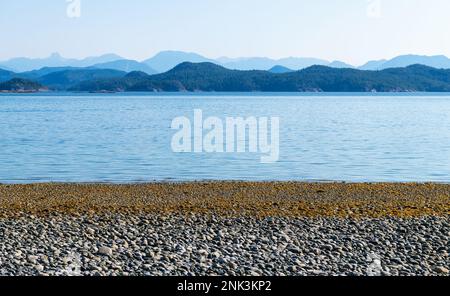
x=19, y=85
x=209, y=77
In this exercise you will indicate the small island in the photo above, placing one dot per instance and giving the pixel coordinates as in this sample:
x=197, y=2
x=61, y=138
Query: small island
x=20, y=85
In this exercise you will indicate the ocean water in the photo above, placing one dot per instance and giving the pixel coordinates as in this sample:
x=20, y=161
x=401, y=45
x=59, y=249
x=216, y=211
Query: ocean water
x=127, y=137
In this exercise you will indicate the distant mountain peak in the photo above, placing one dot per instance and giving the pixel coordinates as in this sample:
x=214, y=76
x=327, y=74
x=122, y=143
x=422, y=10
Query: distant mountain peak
x=339, y=64
x=195, y=66
x=127, y=66
x=54, y=60
x=166, y=60
x=280, y=69
x=136, y=74
x=436, y=61
x=55, y=55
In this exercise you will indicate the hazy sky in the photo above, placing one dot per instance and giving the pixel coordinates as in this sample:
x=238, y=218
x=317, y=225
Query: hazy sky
x=350, y=30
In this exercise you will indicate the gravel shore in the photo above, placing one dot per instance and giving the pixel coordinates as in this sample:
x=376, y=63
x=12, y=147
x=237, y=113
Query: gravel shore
x=255, y=199
x=226, y=228
x=121, y=244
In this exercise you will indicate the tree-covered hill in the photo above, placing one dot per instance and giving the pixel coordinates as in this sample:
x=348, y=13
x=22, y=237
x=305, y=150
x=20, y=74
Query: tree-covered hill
x=5, y=75
x=63, y=80
x=211, y=77
x=20, y=85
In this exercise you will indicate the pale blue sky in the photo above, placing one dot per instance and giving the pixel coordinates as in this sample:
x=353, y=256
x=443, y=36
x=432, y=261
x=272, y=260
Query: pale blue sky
x=329, y=29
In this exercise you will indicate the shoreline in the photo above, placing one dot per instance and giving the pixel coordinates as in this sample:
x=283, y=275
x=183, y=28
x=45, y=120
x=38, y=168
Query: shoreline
x=245, y=93
x=225, y=228
x=231, y=198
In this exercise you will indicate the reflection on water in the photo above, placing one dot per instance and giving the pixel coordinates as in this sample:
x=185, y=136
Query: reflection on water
x=126, y=138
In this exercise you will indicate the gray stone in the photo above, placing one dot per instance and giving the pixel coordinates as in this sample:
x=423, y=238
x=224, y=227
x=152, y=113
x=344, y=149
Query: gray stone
x=106, y=251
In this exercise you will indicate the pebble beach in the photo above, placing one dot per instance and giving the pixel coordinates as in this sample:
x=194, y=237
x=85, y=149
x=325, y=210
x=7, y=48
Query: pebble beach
x=225, y=228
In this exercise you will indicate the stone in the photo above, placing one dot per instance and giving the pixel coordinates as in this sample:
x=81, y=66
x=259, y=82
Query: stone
x=105, y=251
x=39, y=268
x=441, y=270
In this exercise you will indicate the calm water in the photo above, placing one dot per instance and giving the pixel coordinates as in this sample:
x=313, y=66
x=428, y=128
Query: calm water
x=126, y=138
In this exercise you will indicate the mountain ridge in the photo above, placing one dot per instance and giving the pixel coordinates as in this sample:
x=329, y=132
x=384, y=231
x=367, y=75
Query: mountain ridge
x=22, y=64
x=126, y=66
x=280, y=69
x=63, y=80
x=166, y=60
x=209, y=77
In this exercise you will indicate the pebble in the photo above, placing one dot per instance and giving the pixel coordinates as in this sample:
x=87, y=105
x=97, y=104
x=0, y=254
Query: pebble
x=441, y=270
x=106, y=251
x=39, y=268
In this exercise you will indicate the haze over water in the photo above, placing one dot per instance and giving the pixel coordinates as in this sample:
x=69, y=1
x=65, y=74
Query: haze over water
x=127, y=138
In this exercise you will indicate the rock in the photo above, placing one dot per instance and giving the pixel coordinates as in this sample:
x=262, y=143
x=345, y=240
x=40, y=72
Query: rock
x=39, y=268
x=397, y=261
x=232, y=265
x=441, y=270
x=203, y=252
x=252, y=237
x=32, y=259
x=327, y=247
x=216, y=254
x=105, y=251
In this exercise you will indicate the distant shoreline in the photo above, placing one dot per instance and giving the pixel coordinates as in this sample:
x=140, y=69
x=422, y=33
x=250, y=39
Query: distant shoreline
x=23, y=91
x=225, y=93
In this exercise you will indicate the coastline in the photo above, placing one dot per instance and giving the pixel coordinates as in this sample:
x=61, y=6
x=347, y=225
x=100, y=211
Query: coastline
x=225, y=228
x=24, y=91
x=258, y=199
x=231, y=93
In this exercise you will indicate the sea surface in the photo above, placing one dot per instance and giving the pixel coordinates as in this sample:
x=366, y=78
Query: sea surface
x=64, y=137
